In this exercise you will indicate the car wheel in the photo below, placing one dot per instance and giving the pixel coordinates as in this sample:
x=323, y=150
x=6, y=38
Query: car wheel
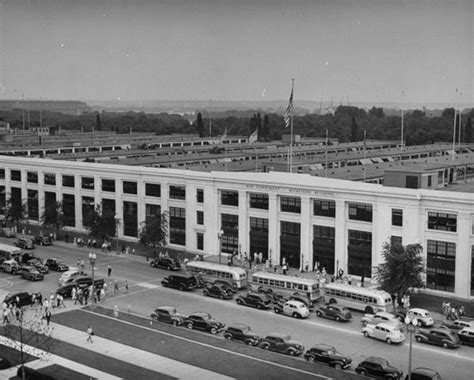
x=165, y=285
x=332, y=300
x=204, y=292
x=277, y=311
x=249, y=343
x=389, y=341
x=338, y=366
x=366, y=334
x=369, y=310
x=419, y=324
x=445, y=345
x=174, y=323
x=221, y=296
x=319, y=314
x=259, y=306
x=168, y=268
x=295, y=315
x=311, y=359
x=265, y=346
x=291, y=353
x=338, y=318
x=189, y=326
x=362, y=372
x=239, y=301
x=418, y=338
x=214, y=330
x=228, y=336
x=181, y=287
x=152, y=265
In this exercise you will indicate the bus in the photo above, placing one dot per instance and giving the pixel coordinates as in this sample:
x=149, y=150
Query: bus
x=237, y=276
x=285, y=285
x=8, y=252
x=369, y=300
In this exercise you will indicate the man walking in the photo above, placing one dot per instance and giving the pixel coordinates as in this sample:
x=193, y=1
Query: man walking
x=90, y=332
x=109, y=270
x=48, y=316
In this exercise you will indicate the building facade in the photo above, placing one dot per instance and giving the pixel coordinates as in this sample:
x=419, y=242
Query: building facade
x=293, y=217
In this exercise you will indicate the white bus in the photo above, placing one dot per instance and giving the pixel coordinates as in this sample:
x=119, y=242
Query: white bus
x=285, y=285
x=369, y=300
x=237, y=276
x=8, y=252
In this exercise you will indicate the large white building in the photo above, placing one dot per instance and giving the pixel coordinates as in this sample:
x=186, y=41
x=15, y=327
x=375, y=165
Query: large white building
x=341, y=224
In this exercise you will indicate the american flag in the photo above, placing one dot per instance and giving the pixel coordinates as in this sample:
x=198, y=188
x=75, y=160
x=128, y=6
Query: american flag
x=289, y=110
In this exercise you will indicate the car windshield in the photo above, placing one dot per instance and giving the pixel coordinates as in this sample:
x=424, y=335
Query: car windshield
x=206, y=316
x=286, y=338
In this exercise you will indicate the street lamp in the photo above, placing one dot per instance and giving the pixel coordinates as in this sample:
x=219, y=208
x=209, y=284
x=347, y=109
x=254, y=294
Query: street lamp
x=411, y=323
x=219, y=236
x=92, y=258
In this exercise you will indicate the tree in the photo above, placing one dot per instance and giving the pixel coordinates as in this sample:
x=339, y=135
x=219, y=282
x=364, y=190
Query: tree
x=354, y=130
x=28, y=328
x=16, y=211
x=98, y=124
x=200, y=125
x=468, y=131
x=401, y=270
x=53, y=216
x=265, y=132
x=101, y=225
x=154, y=230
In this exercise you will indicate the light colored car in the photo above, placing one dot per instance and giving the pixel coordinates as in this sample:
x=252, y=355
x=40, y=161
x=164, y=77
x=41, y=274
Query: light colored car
x=423, y=317
x=292, y=308
x=10, y=266
x=381, y=316
x=384, y=331
x=69, y=276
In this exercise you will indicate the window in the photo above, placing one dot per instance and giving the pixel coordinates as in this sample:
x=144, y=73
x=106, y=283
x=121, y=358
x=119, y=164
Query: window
x=324, y=247
x=397, y=217
x=152, y=212
x=199, y=195
x=68, y=180
x=130, y=223
x=360, y=253
x=259, y=201
x=32, y=177
x=2, y=173
x=429, y=181
x=153, y=190
x=395, y=240
x=440, y=265
x=323, y=207
x=3, y=200
x=15, y=175
x=50, y=179
x=472, y=271
x=200, y=217
x=33, y=212
x=87, y=211
x=69, y=210
x=290, y=204
x=360, y=211
x=177, y=225
x=108, y=185
x=411, y=182
x=200, y=241
x=177, y=192
x=88, y=183
x=129, y=187
x=442, y=221
x=108, y=207
x=229, y=198
x=290, y=243
x=230, y=238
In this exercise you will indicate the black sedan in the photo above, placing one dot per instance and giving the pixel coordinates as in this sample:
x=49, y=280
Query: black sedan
x=217, y=291
x=66, y=290
x=203, y=321
x=54, y=264
x=166, y=263
x=335, y=312
x=466, y=335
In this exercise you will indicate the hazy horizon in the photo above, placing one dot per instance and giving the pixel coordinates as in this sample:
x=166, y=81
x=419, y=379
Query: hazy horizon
x=367, y=51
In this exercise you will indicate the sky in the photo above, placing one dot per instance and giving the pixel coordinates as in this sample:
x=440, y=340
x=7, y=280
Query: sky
x=419, y=51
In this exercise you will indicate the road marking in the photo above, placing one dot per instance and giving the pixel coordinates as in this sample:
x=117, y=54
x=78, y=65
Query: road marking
x=147, y=285
x=213, y=347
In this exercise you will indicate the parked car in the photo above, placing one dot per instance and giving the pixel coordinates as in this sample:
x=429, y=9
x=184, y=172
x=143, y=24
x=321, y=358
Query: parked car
x=38, y=264
x=295, y=309
x=381, y=316
x=439, y=337
x=180, y=281
x=281, y=343
x=166, y=263
x=10, y=266
x=458, y=324
x=55, y=264
x=243, y=333
x=422, y=316
x=66, y=290
x=466, y=335
x=326, y=354
x=19, y=299
x=378, y=367
x=257, y=300
x=384, y=331
x=4, y=363
x=168, y=314
x=423, y=374
x=42, y=240
x=86, y=281
x=334, y=311
x=203, y=321
x=217, y=291
x=30, y=273
x=24, y=243
x=232, y=286
x=25, y=257
x=7, y=232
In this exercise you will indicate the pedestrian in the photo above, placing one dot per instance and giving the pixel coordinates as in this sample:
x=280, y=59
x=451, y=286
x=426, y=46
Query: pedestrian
x=80, y=295
x=6, y=314
x=40, y=298
x=73, y=295
x=109, y=270
x=123, y=248
x=90, y=332
x=306, y=266
x=116, y=288
x=102, y=294
x=94, y=243
x=104, y=288
x=66, y=238
x=47, y=316
x=58, y=300
x=349, y=280
x=127, y=250
x=362, y=281
x=46, y=304
x=126, y=285
x=133, y=251
x=285, y=268
x=97, y=293
x=85, y=295
x=116, y=313
x=51, y=300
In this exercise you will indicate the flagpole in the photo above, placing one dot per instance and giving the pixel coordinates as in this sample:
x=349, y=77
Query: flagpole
x=326, y=155
x=401, y=135
x=454, y=130
x=460, y=118
x=291, y=128
x=365, y=152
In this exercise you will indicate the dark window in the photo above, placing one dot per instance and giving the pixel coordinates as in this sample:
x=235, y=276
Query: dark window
x=323, y=207
x=68, y=180
x=229, y=198
x=199, y=195
x=108, y=207
x=259, y=236
x=440, y=265
x=32, y=177
x=108, y=185
x=395, y=240
x=200, y=217
x=130, y=222
x=33, y=206
x=290, y=243
x=429, y=181
x=472, y=271
x=177, y=192
x=3, y=200
x=259, y=201
x=360, y=211
x=50, y=179
x=324, y=248
x=177, y=225
x=360, y=253
x=129, y=187
x=69, y=210
x=397, y=217
x=411, y=182
x=290, y=204
x=200, y=241
x=88, y=183
x=230, y=238
x=15, y=175
x=153, y=190
x=49, y=203
x=2, y=173
x=87, y=211
x=442, y=221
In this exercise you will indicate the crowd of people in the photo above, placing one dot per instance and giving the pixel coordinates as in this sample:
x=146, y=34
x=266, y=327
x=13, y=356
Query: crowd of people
x=452, y=312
